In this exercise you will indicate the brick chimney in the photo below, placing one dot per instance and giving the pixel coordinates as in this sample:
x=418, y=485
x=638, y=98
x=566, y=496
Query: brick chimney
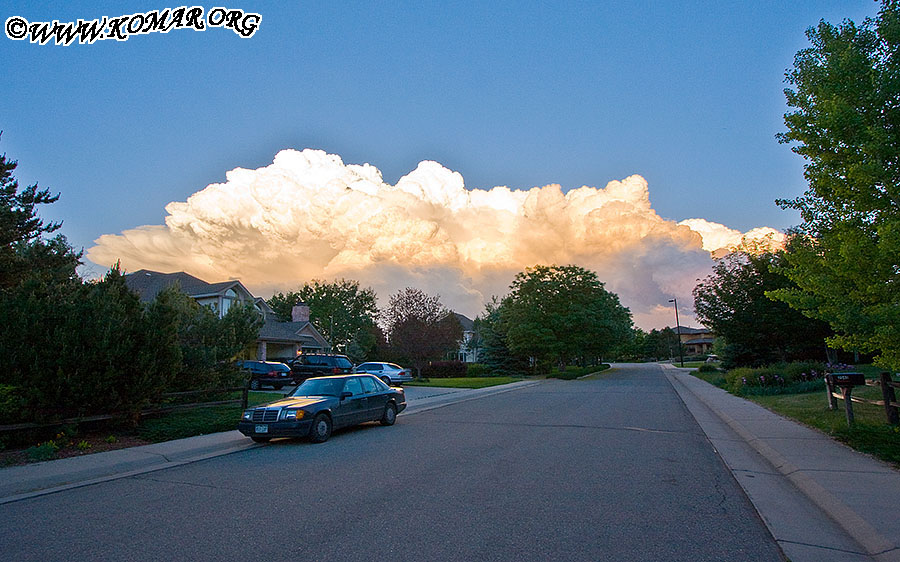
x=300, y=313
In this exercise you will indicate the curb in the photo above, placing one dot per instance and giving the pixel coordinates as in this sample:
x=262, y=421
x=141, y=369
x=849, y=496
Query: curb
x=875, y=544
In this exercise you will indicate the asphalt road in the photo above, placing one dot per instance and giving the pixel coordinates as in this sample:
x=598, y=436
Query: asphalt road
x=609, y=469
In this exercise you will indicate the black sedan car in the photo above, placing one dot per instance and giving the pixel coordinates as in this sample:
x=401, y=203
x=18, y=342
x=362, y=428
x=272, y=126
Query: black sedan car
x=267, y=372
x=323, y=404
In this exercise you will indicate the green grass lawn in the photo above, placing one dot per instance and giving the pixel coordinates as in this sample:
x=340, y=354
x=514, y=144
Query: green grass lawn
x=689, y=364
x=870, y=432
x=465, y=382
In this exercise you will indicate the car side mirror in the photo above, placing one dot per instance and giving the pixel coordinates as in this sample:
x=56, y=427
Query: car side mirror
x=346, y=395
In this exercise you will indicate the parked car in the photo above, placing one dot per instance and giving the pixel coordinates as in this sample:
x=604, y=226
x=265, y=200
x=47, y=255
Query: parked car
x=272, y=373
x=390, y=373
x=322, y=404
x=310, y=365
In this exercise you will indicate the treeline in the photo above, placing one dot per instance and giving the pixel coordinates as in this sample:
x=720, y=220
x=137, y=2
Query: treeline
x=74, y=348
x=553, y=316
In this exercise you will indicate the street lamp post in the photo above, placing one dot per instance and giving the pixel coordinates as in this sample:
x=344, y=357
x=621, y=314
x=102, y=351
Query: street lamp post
x=678, y=331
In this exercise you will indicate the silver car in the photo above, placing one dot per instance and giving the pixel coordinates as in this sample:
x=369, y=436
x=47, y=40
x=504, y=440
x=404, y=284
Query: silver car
x=390, y=373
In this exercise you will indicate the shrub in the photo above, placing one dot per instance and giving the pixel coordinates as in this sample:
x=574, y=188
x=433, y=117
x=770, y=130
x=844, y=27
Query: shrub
x=476, y=370
x=708, y=368
x=444, y=369
x=42, y=451
x=11, y=404
x=776, y=379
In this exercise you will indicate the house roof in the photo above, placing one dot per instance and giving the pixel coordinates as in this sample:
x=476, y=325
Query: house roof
x=148, y=284
x=467, y=323
x=292, y=332
x=684, y=330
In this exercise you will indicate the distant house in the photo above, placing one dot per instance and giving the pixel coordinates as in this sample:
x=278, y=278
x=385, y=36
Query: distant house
x=277, y=339
x=468, y=345
x=695, y=341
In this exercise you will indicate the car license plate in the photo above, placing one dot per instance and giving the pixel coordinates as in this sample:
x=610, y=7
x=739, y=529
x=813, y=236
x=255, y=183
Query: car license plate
x=262, y=429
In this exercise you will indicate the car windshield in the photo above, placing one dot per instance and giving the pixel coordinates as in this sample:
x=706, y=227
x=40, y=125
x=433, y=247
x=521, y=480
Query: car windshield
x=319, y=387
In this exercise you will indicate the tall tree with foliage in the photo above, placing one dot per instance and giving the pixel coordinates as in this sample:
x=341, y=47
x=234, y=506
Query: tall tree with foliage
x=341, y=310
x=732, y=302
x=419, y=328
x=845, y=121
x=563, y=314
x=495, y=353
x=24, y=251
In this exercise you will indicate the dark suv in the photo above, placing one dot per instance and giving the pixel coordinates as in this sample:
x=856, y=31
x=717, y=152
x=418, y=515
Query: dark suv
x=267, y=372
x=317, y=365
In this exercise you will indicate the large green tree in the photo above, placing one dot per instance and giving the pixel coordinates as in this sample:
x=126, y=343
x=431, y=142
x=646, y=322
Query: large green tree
x=24, y=249
x=495, y=353
x=563, y=314
x=845, y=121
x=341, y=310
x=732, y=302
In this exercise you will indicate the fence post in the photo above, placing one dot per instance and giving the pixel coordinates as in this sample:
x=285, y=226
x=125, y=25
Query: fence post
x=887, y=392
x=832, y=403
x=848, y=403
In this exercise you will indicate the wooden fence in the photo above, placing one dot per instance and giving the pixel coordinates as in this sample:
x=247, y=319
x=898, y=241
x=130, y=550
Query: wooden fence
x=889, y=397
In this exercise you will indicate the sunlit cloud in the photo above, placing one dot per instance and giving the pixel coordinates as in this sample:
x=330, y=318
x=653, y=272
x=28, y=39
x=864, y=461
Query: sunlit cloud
x=308, y=215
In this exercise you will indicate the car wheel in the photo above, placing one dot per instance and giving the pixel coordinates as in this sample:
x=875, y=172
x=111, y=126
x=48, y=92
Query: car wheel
x=258, y=439
x=387, y=380
x=390, y=414
x=254, y=384
x=321, y=429
x=277, y=386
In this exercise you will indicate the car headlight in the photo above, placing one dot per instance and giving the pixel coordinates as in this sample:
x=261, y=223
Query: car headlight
x=248, y=414
x=293, y=414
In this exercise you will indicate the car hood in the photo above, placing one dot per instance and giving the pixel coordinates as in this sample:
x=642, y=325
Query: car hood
x=297, y=402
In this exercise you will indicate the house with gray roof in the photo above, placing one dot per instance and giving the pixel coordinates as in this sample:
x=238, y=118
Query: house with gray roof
x=277, y=340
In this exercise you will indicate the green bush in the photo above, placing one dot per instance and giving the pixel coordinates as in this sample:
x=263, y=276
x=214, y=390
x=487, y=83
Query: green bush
x=445, y=369
x=708, y=368
x=476, y=370
x=42, y=451
x=776, y=379
x=11, y=404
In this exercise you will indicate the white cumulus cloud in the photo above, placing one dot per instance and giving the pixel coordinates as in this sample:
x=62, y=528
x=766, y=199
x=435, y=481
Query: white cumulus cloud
x=309, y=215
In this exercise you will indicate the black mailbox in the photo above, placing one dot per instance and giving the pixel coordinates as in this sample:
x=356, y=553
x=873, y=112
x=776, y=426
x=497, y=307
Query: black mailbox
x=847, y=379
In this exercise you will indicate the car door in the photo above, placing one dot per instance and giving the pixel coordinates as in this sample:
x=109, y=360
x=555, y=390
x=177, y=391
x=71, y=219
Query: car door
x=376, y=399
x=352, y=410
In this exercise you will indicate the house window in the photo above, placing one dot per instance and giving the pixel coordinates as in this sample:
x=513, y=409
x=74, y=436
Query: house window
x=227, y=300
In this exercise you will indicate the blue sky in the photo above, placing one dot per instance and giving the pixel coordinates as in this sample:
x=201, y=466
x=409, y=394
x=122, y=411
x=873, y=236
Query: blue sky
x=686, y=94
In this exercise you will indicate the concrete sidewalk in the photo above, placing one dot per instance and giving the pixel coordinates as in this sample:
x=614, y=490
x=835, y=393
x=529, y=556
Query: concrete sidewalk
x=22, y=482
x=821, y=500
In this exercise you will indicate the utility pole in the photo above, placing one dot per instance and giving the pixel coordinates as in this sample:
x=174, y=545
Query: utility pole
x=678, y=331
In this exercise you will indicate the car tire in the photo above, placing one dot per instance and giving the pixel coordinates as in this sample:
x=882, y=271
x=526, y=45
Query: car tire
x=277, y=386
x=254, y=384
x=321, y=429
x=258, y=439
x=387, y=380
x=389, y=417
